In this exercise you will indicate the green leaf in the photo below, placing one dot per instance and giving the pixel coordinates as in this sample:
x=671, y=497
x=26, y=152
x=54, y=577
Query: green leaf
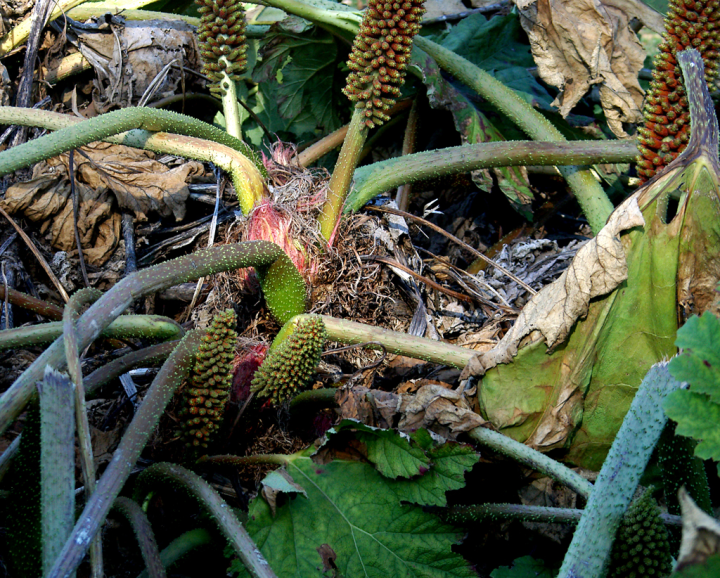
x=698, y=417
x=525, y=567
x=353, y=516
x=392, y=454
x=306, y=100
x=699, y=362
x=450, y=461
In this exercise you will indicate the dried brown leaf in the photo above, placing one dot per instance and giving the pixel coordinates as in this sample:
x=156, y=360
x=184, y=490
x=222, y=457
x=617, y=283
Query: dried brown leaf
x=105, y=174
x=579, y=43
x=129, y=56
x=444, y=411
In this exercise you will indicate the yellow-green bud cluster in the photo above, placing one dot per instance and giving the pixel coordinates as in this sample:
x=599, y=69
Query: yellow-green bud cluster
x=222, y=34
x=205, y=397
x=379, y=56
x=289, y=367
x=641, y=547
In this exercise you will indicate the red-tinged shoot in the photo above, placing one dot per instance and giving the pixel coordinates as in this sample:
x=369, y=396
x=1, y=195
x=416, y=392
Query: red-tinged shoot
x=244, y=369
x=688, y=24
x=379, y=57
x=205, y=397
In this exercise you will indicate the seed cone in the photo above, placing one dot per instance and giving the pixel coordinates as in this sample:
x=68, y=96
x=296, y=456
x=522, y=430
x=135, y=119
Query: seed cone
x=379, y=56
x=641, y=545
x=688, y=24
x=290, y=366
x=221, y=33
x=205, y=398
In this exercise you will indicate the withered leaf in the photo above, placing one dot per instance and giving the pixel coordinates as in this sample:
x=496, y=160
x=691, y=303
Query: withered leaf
x=579, y=43
x=700, y=534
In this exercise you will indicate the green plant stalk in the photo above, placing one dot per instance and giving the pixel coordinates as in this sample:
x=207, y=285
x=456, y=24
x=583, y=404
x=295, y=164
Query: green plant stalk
x=57, y=463
x=142, y=529
x=218, y=510
x=282, y=284
x=261, y=459
x=618, y=479
x=117, y=367
x=340, y=181
x=7, y=456
x=180, y=546
x=137, y=435
x=353, y=333
x=371, y=180
x=532, y=459
x=125, y=327
x=231, y=110
x=589, y=194
x=139, y=128
x=72, y=355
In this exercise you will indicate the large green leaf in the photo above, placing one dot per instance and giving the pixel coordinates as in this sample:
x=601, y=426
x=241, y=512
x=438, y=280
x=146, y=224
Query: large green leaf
x=347, y=512
x=351, y=512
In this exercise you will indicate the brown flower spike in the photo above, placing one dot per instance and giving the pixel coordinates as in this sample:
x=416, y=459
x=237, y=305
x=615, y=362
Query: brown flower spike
x=205, y=397
x=688, y=24
x=379, y=56
x=222, y=34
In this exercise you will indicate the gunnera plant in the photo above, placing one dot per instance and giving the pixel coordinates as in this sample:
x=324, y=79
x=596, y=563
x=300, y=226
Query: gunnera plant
x=688, y=24
x=206, y=395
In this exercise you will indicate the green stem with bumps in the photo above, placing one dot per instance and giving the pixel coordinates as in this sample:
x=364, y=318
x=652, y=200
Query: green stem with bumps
x=142, y=529
x=371, y=180
x=126, y=327
x=464, y=515
x=353, y=333
x=215, y=506
x=532, y=459
x=282, y=284
x=180, y=546
x=72, y=355
x=139, y=128
x=618, y=479
x=137, y=435
x=57, y=463
x=342, y=176
x=592, y=199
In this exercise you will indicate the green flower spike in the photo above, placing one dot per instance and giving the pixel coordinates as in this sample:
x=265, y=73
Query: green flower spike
x=209, y=389
x=290, y=365
x=379, y=56
x=221, y=35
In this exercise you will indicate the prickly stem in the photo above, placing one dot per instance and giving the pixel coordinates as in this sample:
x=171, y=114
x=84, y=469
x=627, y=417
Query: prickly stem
x=259, y=254
x=215, y=506
x=137, y=435
x=144, y=535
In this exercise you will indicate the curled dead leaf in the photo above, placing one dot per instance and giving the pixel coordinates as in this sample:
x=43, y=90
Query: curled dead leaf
x=445, y=411
x=579, y=43
x=700, y=534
